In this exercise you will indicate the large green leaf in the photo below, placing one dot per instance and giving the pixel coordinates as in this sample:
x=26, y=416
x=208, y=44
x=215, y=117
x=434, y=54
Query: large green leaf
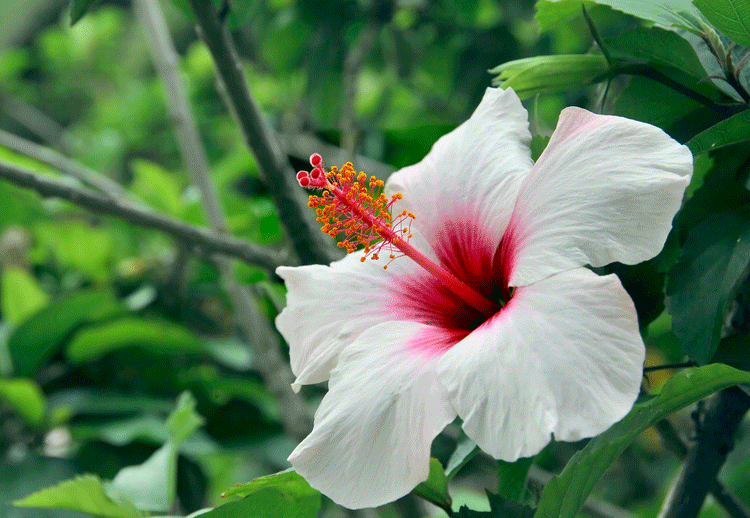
x=548, y=74
x=729, y=131
x=25, y=397
x=465, y=450
x=85, y=494
x=657, y=46
x=732, y=17
x=512, y=476
x=563, y=496
x=157, y=337
x=39, y=337
x=702, y=281
x=666, y=13
x=21, y=296
x=435, y=488
x=284, y=495
x=651, y=102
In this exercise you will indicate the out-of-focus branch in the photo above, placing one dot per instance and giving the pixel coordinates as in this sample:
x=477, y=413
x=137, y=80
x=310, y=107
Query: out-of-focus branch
x=94, y=201
x=63, y=163
x=255, y=327
x=352, y=64
x=35, y=121
x=310, y=244
x=715, y=428
x=723, y=495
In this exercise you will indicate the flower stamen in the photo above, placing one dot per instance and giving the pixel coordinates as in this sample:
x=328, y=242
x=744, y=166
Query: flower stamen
x=354, y=208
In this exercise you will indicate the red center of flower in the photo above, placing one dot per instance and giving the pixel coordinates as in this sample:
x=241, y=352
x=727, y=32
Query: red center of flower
x=353, y=207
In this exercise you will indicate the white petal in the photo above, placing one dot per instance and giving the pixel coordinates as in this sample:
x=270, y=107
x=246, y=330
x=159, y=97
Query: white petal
x=469, y=180
x=564, y=357
x=373, y=430
x=605, y=189
x=327, y=307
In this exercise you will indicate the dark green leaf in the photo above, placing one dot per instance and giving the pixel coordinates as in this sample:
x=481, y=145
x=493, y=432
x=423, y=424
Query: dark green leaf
x=157, y=337
x=85, y=494
x=435, y=488
x=25, y=397
x=701, y=282
x=729, y=131
x=508, y=508
x=511, y=477
x=464, y=452
x=39, y=337
x=78, y=8
x=548, y=74
x=648, y=101
x=732, y=17
x=465, y=512
x=563, y=496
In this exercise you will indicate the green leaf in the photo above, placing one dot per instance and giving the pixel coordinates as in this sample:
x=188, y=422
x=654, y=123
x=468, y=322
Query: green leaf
x=732, y=17
x=25, y=397
x=657, y=46
x=22, y=296
x=85, y=494
x=184, y=421
x=158, y=337
x=512, y=478
x=729, y=131
x=435, y=488
x=78, y=8
x=666, y=13
x=152, y=485
x=548, y=74
x=465, y=450
x=508, y=507
x=651, y=102
x=285, y=493
x=702, y=281
x=39, y=337
x=563, y=496
x=160, y=188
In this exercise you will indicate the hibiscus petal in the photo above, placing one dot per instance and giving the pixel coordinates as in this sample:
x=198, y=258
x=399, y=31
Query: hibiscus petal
x=373, y=429
x=564, y=356
x=605, y=189
x=329, y=306
x=470, y=178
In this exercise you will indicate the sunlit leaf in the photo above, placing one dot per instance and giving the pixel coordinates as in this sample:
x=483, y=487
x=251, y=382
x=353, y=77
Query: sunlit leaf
x=25, y=397
x=21, y=295
x=729, y=131
x=285, y=495
x=563, y=496
x=435, y=488
x=701, y=282
x=39, y=337
x=157, y=337
x=732, y=17
x=85, y=494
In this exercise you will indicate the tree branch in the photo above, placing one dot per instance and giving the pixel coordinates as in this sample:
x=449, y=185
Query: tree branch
x=715, y=428
x=142, y=216
x=63, y=163
x=255, y=327
x=311, y=245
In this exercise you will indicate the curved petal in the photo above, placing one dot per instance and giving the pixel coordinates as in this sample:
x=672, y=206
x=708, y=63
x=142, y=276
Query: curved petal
x=371, y=441
x=470, y=178
x=564, y=356
x=605, y=189
x=327, y=307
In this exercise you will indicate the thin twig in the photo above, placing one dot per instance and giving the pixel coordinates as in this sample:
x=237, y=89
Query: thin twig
x=715, y=428
x=38, y=123
x=63, y=163
x=310, y=244
x=138, y=215
x=256, y=328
